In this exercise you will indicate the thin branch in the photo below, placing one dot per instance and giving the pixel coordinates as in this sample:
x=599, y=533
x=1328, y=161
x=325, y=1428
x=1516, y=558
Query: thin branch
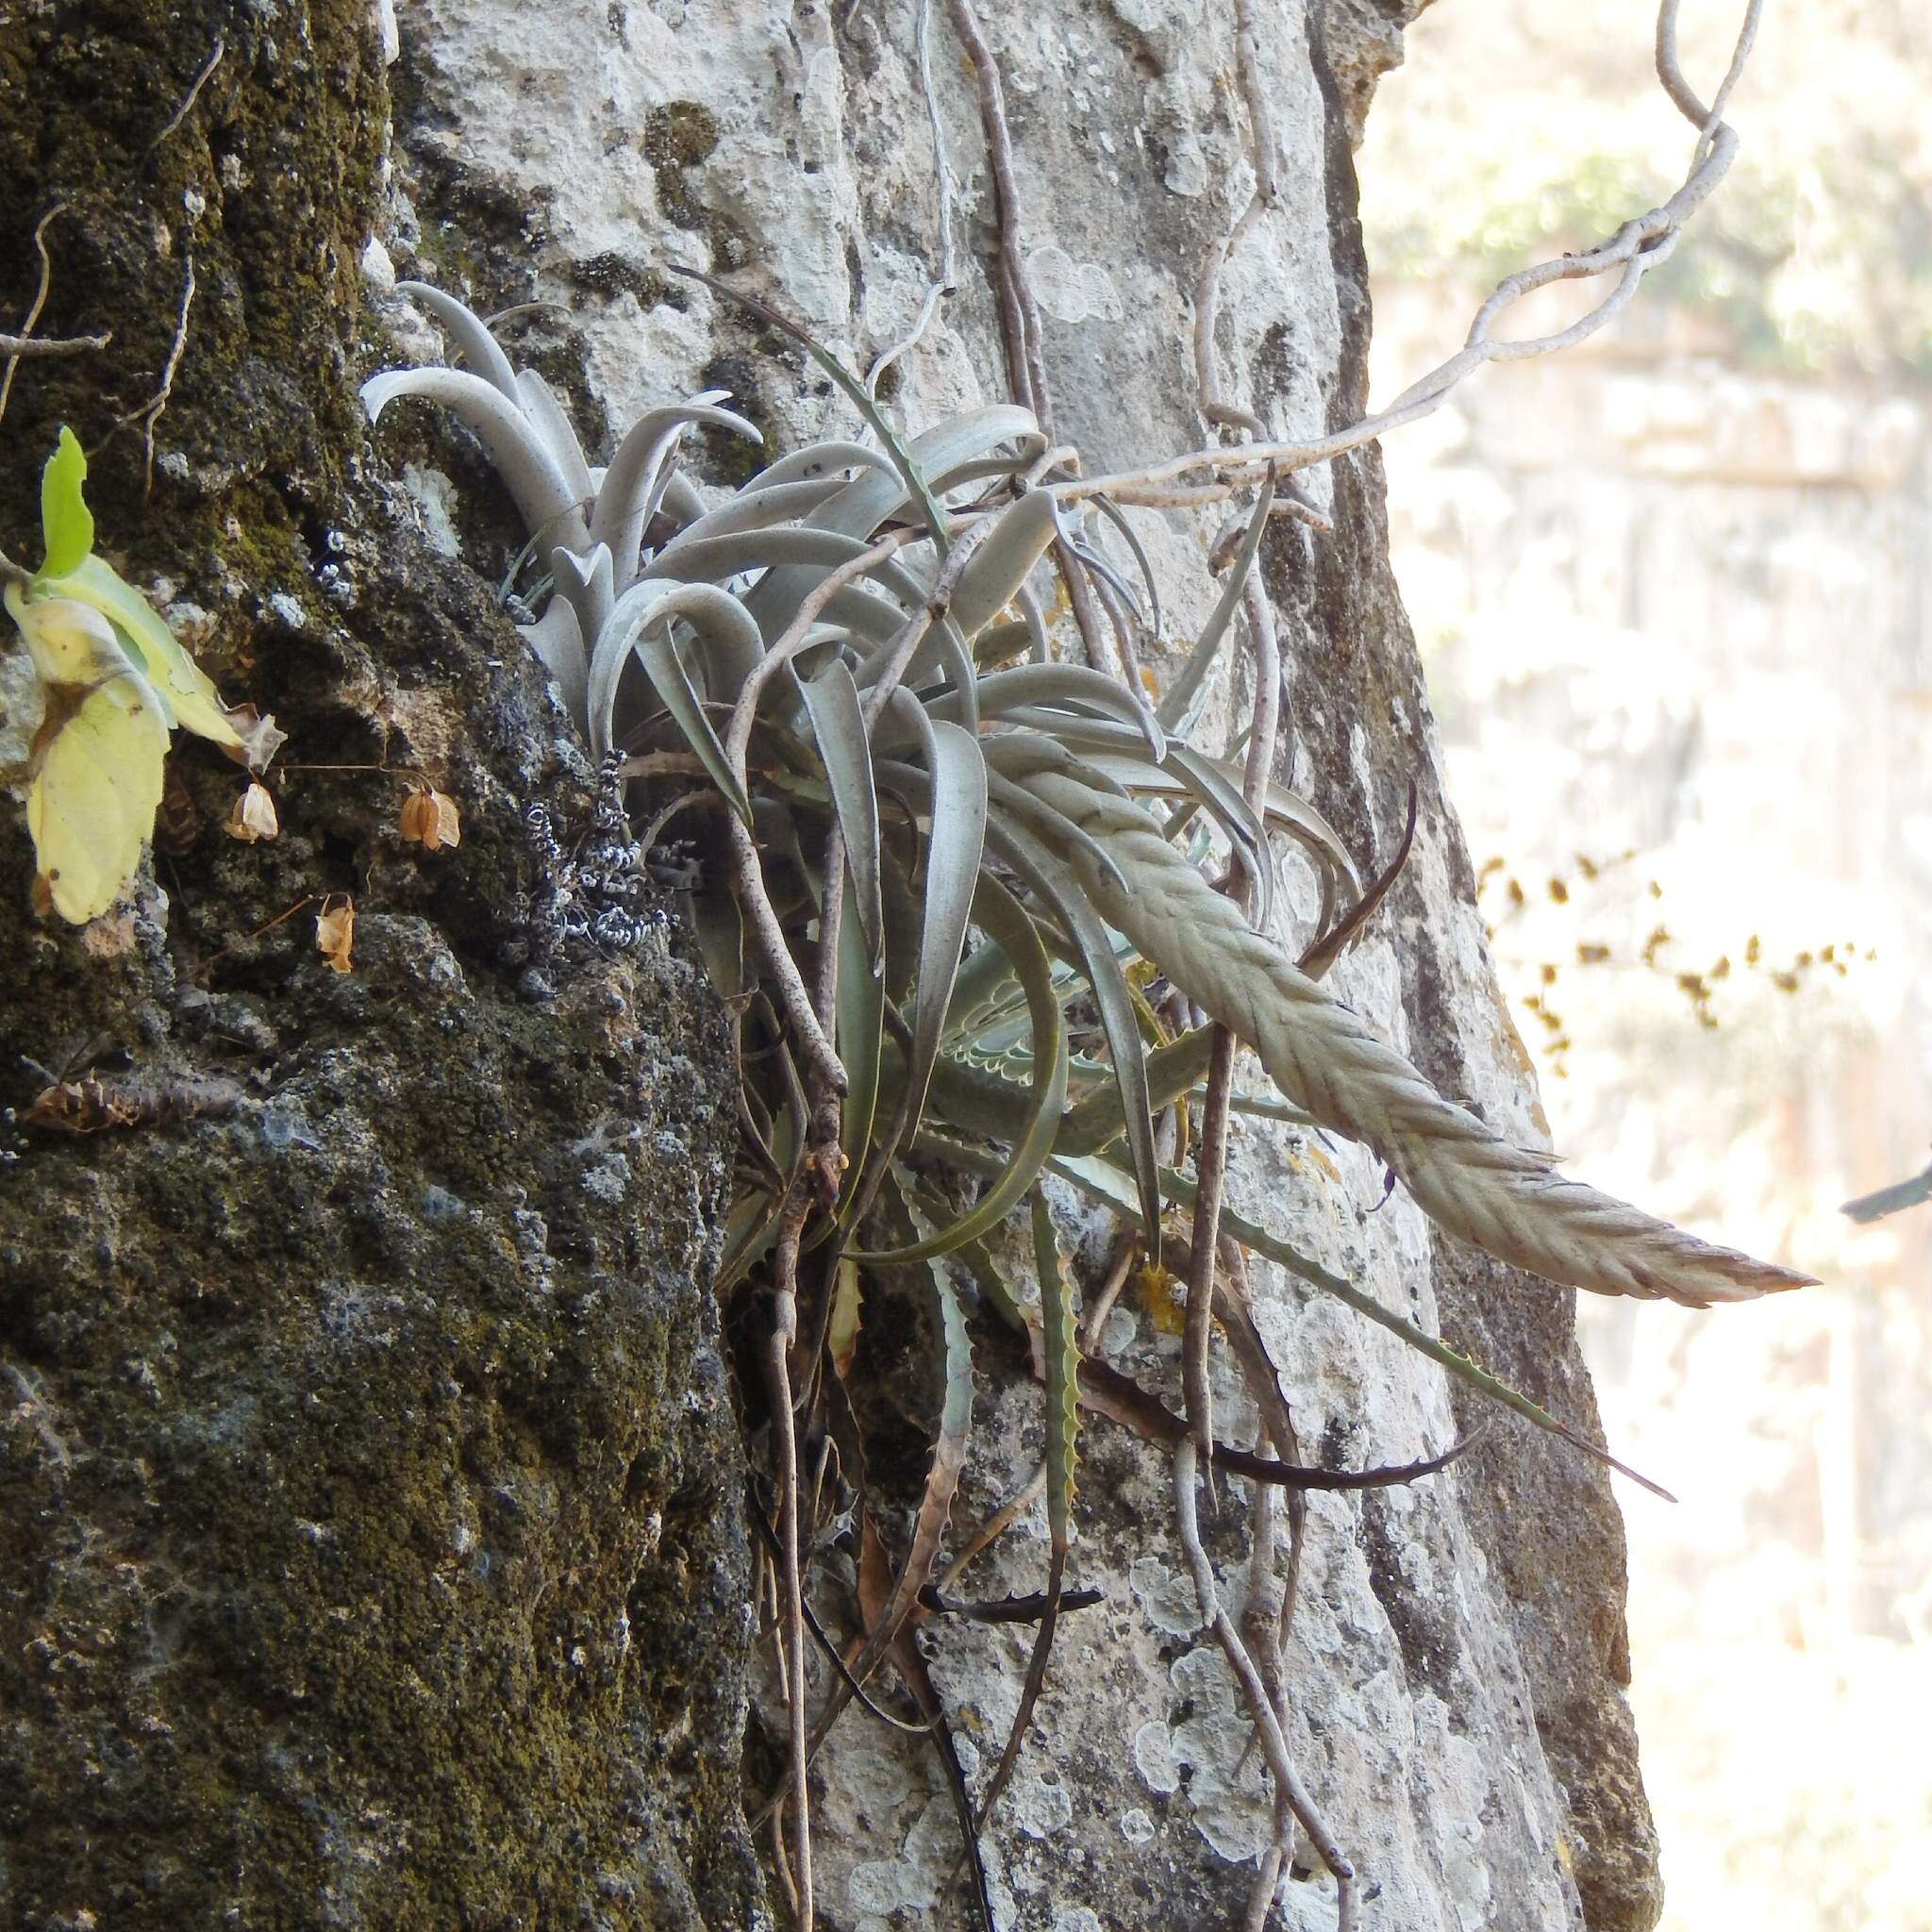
x=996, y=1526
x=1274, y=1744
x=150, y=411
x=785, y=1447
x=946, y=280
x=1019, y=313
x=39, y=301
x=1210, y=1162
x=194, y=93
x=33, y=348
x=1638, y=246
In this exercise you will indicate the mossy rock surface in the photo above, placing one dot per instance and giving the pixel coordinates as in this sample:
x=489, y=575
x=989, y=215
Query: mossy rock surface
x=371, y=1545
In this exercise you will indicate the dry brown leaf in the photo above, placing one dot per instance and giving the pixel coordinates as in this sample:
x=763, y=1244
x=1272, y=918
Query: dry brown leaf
x=335, y=931
x=429, y=819
x=253, y=816
x=260, y=739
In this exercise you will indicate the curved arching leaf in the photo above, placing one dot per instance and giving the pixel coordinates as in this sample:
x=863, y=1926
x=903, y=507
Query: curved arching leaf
x=543, y=498
x=471, y=334
x=1044, y=875
x=634, y=477
x=1002, y=561
x=1179, y=701
x=1006, y=922
x=838, y=722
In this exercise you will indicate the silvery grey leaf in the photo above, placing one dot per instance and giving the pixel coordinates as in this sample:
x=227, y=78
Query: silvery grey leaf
x=756, y=508
x=710, y=559
x=822, y=460
x=539, y=404
x=1015, y=804
x=471, y=334
x=1002, y=561
x=730, y=636
x=1056, y=886
x=636, y=473
x=1002, y=693
x=1119, y=519
x=867, y=501
x=1176, y=706
x=587, y=582
x=838, y=722
x=557, y=639
x=544, y=499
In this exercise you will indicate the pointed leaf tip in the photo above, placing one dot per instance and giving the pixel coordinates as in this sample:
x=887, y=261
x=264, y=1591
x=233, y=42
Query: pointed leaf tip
x=67, y=526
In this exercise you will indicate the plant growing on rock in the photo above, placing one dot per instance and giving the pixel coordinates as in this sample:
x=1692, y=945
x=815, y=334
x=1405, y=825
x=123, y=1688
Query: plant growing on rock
x=839, y=673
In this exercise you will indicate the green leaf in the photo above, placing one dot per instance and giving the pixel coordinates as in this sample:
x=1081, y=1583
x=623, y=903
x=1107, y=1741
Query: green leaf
x=192, y=700
x=1007, y=923
x=908, y=470
x=67, y=526
x=860, y=1001
x=838, y=722
x=953, y=877
x=1176, y=706
x=1048, y=877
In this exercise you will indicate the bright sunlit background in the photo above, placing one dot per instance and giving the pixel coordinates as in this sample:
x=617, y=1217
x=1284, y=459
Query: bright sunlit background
x=1674, y=594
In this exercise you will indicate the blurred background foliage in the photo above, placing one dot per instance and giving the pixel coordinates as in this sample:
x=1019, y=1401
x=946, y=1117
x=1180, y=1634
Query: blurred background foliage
x=1817, y=254
x=1674, y=596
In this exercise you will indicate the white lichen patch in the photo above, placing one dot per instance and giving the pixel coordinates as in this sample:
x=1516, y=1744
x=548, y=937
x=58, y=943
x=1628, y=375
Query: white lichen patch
x=1166, y=1596
x=1040, y=1805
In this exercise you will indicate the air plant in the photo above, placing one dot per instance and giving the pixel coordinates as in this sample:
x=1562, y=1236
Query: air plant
x=842, y=665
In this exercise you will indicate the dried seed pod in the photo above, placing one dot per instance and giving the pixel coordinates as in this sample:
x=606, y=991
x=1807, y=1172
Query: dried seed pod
x=429, y=819
x=335, y=931
x=253, y=816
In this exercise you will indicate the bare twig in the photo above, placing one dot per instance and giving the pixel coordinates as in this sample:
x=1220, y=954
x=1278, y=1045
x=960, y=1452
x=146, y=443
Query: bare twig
x=1211, y=1161
x=150, y=411
x=39, y=301
x=32, y=348
x=194, y=93
x=996, y=1526
x=1274, y=1744
x=946, y=280
x=785, y=1448
x=1019, y=313
x=1126, y=1252
x=1638, y=246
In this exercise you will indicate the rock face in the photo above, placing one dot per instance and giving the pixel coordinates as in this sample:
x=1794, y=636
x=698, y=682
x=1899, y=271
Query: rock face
x=371, y=1549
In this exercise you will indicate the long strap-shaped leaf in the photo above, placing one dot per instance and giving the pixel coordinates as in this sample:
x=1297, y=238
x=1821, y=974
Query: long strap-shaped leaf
x=1470, y=1180
x=1185, y=689
x=860, y=997
x=471, y=334
x=1062, y=1349
x=954, y=792
x=512, y=442
x=912, y=475
x=641, y=622
x=838, y=722
x=634, y=477
x=1045, y=874
x=1007, y=923
x=1284, y=810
